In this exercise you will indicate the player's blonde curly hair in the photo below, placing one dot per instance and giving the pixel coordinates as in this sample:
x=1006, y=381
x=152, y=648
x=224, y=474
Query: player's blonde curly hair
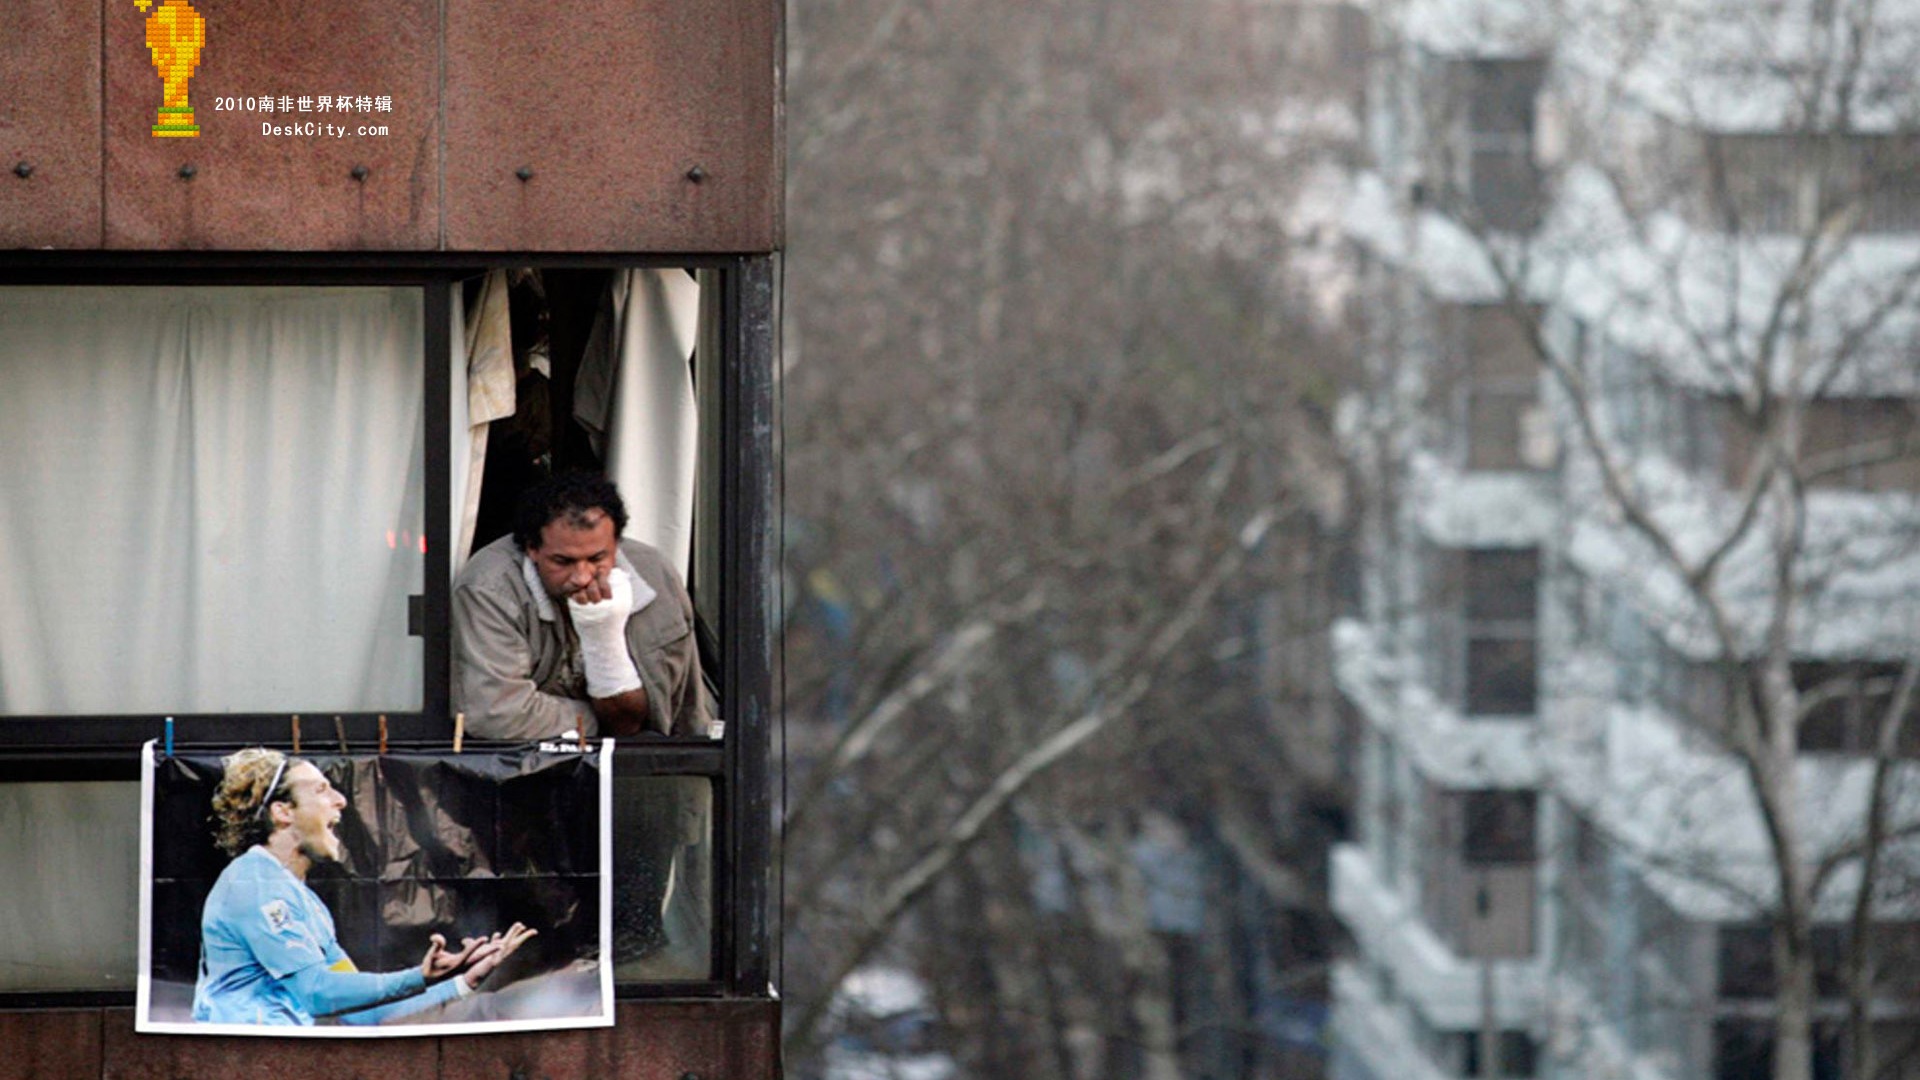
x=238, y=823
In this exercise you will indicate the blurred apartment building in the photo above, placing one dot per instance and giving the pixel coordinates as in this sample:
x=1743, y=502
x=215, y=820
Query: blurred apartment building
x=1608, y=247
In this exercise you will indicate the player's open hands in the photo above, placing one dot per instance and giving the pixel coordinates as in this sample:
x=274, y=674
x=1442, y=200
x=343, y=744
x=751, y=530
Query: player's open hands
x=492, y=951
x=440, y=962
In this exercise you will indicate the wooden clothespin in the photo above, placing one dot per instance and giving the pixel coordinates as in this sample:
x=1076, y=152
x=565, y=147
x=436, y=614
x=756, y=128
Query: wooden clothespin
x=340, y=732
x=383, y=733
x=296, y=734
x=459, y=730
x=580, y=735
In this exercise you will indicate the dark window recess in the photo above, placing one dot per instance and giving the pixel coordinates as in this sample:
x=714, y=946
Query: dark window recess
x=1519, y=1055
x=1847, y=705
x=1588, y=850
x=1496, y=419
x=1494, y=172
x=1501, y=584
x=1862, y=444
x=1489, y=384
x=1501, y=608
x=1743, y=1049
x=552, y=315
x=1898, y=1044
x=1501, y=96
x=1865, y=444
x=1746, y=961
x=1500, y=677
x=1504, y=186
x=1479, y=887
x=1499, y=828
x=1797, y=182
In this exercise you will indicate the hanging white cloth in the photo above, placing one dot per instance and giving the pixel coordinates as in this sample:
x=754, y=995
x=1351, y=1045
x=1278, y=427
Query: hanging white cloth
x=635, y=395
x=484, y=390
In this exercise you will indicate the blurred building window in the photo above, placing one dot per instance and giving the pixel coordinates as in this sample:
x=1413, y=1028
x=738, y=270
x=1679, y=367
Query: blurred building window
x=1479, y=888
x=1743, y=1049
x=1494, y=172
x=1519, y=1055
x=1847, y=704
x=1851, y=443
x=1502, y=617
x=1788, y=183
x=1497, y=393
x=1865, y=444
x=1499, y=828
x=1746, y=961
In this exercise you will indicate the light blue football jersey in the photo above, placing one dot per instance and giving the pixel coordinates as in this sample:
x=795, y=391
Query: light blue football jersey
x=260, y=925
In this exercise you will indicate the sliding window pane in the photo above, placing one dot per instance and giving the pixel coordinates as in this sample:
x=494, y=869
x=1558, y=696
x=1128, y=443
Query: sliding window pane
x=213, y=499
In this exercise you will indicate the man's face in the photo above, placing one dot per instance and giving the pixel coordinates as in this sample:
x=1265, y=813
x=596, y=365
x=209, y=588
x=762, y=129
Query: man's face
x=315, y=812
x=571, y=557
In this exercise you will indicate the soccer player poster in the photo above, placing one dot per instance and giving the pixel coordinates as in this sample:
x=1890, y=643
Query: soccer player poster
x=407, y=893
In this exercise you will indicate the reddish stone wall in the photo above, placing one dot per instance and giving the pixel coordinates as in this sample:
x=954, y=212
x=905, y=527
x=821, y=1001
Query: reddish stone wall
x=639, y=125
x=658, y=1040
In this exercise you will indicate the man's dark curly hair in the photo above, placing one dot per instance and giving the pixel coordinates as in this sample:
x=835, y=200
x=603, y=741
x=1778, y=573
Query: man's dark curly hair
x=573, y=495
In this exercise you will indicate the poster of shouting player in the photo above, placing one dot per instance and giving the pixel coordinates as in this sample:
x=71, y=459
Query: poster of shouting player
x=374, y=894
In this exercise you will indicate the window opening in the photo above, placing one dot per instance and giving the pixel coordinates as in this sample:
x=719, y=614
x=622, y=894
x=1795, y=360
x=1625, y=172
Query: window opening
x=1497, y=406
x=1501, y=609
x=215, y=499
x=1480, y=881
x=665, y=915
x=1494, y=171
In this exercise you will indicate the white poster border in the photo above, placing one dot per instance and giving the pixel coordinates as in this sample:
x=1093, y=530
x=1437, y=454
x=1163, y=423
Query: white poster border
x=143, y=1024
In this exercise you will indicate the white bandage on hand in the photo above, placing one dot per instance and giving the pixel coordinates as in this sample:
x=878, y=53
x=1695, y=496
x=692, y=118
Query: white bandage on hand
x=603, y=636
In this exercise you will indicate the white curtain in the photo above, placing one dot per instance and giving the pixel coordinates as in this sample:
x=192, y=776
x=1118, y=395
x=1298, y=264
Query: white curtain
x=483, y=391
x=212, y=499
x=635, y=391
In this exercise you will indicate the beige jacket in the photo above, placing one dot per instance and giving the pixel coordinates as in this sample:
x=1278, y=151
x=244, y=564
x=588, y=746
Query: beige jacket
x=517, y=671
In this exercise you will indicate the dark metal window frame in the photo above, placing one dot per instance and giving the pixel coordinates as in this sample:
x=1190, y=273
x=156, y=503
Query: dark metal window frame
x=81, y=748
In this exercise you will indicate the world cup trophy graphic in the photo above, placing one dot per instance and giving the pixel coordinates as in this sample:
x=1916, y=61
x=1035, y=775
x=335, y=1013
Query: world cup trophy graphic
x=176, y=34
